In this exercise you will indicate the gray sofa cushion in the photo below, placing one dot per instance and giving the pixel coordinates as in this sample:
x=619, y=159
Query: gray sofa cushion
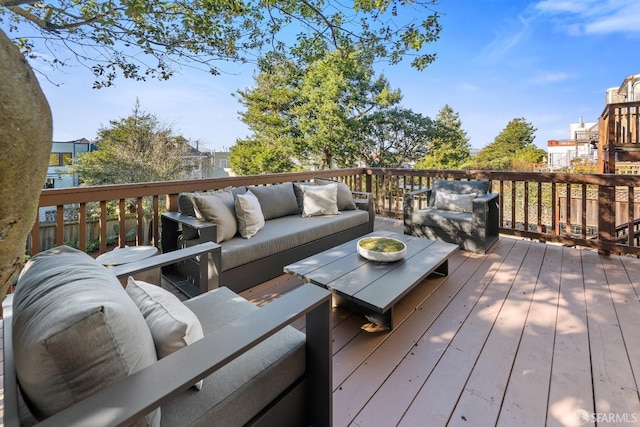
x=234, y=394
x=76, y=331
x=276, y=200
x=450, y=221
x=458, y=187
x=285, y=233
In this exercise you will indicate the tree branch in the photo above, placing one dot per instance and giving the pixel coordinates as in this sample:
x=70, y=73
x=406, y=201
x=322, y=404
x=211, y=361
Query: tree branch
x=12, y=3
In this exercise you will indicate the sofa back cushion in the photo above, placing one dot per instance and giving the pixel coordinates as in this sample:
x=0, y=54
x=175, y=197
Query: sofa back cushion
x=276, y=200
x=76, y=331
x=458, y=187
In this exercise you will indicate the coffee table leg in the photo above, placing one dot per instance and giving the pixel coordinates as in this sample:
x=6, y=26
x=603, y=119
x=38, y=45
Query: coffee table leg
x=381, y=319
x=443, y=268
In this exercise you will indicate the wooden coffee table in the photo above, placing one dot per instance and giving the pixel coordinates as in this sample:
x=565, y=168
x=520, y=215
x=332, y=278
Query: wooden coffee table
x=372, y=288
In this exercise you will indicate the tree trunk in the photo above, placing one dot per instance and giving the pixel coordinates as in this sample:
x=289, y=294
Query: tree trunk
x=25, y=136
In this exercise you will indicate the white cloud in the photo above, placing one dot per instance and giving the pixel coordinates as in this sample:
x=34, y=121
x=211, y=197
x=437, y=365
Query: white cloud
x=561, y=6
x=550, y=77
x=593, y=17
x=626, y=20
x=505, y=40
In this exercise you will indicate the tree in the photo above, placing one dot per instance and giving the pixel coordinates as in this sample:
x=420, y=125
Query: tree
x=312, y=112
x=337, y=93
x=139, y=39
x=449, y=146
x=395, y=137
x=267, y=112
x=516, y=139
x=137, y=148
x=251, y=157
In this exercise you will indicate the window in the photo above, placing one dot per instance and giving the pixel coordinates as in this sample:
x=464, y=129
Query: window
x=50, y=183
x=223, y=163
x=60, y=159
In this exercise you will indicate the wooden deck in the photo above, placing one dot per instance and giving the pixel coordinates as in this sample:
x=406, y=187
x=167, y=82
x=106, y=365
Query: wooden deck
x=527, y=335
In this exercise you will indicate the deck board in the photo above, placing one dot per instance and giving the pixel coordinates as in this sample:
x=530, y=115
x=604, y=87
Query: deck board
x=614, y=387
x=531, y=370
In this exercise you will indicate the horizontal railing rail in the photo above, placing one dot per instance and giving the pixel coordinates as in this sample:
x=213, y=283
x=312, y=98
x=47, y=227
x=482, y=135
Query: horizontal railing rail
x=590, y=210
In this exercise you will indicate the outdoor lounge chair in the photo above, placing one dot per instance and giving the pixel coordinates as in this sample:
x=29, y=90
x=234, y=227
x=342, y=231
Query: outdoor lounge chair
x=79, y=350
x=461, y=212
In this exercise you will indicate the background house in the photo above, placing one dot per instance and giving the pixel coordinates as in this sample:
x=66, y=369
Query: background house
x=579, y=148
x=62, y=153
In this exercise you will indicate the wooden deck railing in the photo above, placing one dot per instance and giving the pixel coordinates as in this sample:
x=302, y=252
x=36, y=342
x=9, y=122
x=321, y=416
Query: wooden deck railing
x=618, y=135
x=589, y=210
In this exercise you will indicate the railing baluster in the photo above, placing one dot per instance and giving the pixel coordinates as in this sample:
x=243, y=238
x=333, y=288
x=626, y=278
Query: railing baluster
x=513, y=205
x=631, y=227
x=567, y=212
x=156, y=222
x=60, y=225
x=501, y=204
x=555, y=209
x=82, y=225
x=584, y=211
x=122, y=223
x=526, y=206
x=139, y=222
x=103, y=226
x=539, y=208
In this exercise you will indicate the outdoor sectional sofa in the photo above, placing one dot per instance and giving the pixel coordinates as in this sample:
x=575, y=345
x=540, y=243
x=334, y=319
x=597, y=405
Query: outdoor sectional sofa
x=80, y=350
x=287, y=235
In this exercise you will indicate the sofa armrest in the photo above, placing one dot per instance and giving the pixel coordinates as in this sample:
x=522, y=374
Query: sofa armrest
x=482, y=204
x=409, y=198
x=131, y=398
x=170, y=222
x=364, y=201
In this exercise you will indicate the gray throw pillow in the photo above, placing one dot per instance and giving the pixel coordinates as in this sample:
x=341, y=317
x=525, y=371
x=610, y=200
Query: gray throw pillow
x=276, y=200
x=249, y=214
x=345, y=198
x=218, y=208
x=455, y=202
x=172, y=324
x=76, y=331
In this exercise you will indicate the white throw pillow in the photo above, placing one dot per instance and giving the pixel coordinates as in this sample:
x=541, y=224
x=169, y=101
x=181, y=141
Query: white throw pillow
x=249, y=214
x=172, y=324
x=219, y=209
x=455, y=202
x=320, y=200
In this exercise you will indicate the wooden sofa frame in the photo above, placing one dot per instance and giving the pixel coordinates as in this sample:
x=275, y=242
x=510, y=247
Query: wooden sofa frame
x=149, y=388
x=253, y=273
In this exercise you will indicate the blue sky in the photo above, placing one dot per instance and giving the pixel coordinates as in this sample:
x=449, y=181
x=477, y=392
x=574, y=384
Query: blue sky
x=548, y=61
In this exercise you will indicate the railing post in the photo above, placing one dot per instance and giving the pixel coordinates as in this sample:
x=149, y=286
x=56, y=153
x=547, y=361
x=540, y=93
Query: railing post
x=606, y=215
